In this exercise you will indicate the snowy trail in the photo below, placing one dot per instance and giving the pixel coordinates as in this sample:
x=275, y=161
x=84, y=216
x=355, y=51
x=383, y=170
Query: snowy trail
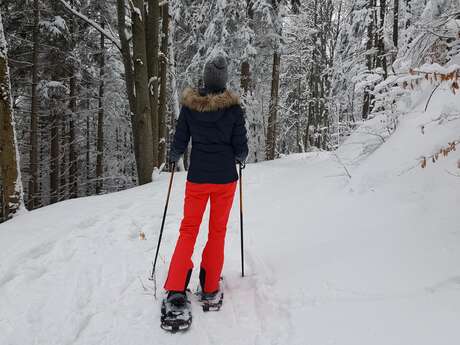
x=371, y=260
x=80, y=278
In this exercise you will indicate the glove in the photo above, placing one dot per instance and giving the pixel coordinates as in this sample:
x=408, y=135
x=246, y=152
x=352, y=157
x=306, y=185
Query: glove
x=174, y=156
x=241, y=161
x=241, y=158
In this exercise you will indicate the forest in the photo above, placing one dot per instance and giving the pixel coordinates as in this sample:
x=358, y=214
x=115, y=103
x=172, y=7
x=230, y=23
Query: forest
x=91, y=90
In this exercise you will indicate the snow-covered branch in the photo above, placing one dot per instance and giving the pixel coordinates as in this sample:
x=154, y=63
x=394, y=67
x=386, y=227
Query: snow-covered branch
x=95, y=25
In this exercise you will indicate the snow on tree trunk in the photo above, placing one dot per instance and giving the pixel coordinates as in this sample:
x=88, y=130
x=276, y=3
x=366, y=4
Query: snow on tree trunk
x=10, y=176
x=174, y=99
x=163, y=85
x=152, y=39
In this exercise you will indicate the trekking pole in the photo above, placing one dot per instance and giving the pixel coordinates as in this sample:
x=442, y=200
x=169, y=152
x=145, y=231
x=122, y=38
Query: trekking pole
x=163, y=222
x=241, y=219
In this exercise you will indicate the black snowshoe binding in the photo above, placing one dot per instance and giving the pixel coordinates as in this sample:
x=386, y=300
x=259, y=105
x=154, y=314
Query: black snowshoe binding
x=176, y=315
x=211, y=301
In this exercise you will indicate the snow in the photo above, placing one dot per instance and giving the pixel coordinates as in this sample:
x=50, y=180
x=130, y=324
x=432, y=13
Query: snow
x=57, y=26
x=3, y=45
x=436, y=68
x=135, y=10
x=55, y=84
x=371, y=259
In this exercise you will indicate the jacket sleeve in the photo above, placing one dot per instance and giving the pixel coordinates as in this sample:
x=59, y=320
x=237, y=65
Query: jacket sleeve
x=239, y=136
x=181, y=137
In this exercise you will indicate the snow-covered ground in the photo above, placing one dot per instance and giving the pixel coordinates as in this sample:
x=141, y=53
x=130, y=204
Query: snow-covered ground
x=330, y=260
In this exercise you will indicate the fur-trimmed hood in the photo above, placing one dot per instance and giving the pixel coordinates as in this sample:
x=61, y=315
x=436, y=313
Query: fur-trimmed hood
x=212, y=102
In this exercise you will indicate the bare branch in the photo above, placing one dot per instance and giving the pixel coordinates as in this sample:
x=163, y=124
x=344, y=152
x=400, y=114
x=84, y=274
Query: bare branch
x=429, y=99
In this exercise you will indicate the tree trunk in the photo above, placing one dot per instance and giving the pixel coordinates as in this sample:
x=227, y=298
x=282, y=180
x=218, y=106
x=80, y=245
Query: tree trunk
x=88, y=148
x=118, y=156
x=272, y=118
x=100, y=122
x=163, y=84
x=73, y=157
x=312, y=118
x=245, y=77
x=174, y=99
x=9, y=165
x=143, y=123
x=299, y=96
x=368, y=97
x=296, y=6
x=245, y=65
x=381, y=39
x=408, y=13
x=129, y=73
x=395, y=23
x=54, y=151
x=33, y=163
x=370, y=33
x=152, y=37
x=63, y=162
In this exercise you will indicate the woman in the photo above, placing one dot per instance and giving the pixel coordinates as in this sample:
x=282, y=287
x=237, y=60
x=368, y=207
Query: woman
x=213, y=118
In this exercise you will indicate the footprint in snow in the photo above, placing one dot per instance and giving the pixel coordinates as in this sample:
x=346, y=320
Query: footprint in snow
x=451, y=283
x=39, y=251
x=87, y=223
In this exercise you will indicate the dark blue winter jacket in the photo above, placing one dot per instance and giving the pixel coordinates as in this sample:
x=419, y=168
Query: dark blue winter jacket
x=215, y=122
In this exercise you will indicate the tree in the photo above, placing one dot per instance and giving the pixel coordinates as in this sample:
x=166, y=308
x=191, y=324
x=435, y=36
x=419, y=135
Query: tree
x=246, y=65
x=274, y=93
x=143, y=118
x=163, y=84
x=382, y=57
x=100, y=121
x=33, y=159
x=153, y=50
x=273, y=109
x=9, y=161
x=56, y=92
x=128, y=72
x=73, y=94
x=395, y=23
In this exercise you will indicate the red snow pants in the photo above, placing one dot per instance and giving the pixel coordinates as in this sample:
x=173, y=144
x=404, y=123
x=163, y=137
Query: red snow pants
x=212, y=260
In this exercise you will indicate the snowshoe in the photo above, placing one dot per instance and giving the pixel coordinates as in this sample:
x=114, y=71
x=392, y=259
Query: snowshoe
x=211, y=301
x=176, y=314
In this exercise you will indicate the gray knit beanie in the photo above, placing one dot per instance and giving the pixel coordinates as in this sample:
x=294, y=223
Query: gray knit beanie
x=215, y=73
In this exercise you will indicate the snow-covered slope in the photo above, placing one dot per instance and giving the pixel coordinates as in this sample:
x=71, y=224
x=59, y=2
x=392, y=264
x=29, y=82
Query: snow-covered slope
x=330, y=260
